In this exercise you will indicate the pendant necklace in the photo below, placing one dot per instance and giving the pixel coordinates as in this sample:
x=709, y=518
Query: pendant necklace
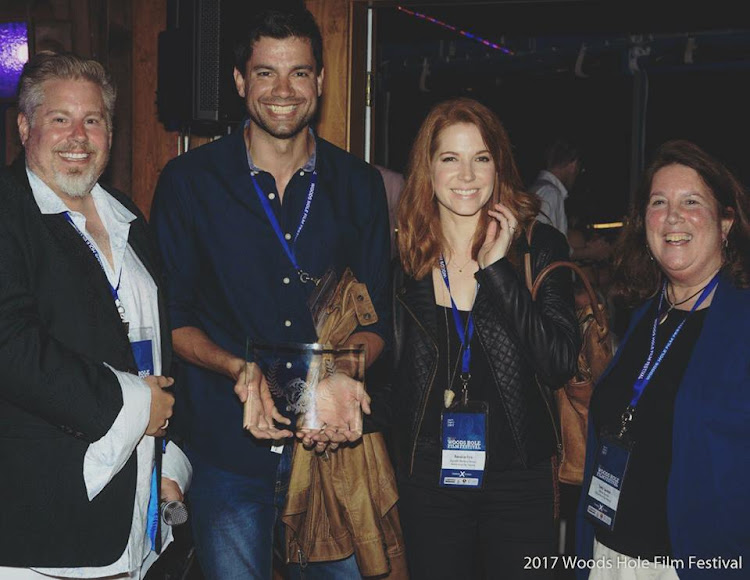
x=663, y=316
x=465, y=337
x=461, y=268
x=449, y=394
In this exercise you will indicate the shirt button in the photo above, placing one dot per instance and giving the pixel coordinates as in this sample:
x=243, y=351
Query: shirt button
x=287, y=323
x=271, y=196
x=301, y=173
x=287, y=236
x=286, y=280
x=288, y=365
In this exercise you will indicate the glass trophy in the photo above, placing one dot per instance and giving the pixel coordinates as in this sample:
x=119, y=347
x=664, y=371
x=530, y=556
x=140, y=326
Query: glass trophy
x=321, y=385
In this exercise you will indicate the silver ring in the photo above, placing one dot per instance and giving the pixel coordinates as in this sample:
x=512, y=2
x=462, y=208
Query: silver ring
x=166, y=424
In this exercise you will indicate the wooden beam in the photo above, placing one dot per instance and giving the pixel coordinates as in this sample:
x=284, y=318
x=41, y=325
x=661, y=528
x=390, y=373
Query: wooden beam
x=358, y=75
x=152, y=145
x=333, y=17
x=118, y=57
x=83, y=32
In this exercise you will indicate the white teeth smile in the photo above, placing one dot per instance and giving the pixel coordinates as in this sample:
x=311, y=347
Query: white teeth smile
x=465, y=191
x=282, y=108
x=74, y=155
x=678, y=237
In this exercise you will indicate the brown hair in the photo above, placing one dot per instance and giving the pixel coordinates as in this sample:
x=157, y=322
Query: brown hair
x=636, y=275
x=420, y=237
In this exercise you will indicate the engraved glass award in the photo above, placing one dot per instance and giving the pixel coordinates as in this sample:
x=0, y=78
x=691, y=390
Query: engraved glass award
x=322, y=386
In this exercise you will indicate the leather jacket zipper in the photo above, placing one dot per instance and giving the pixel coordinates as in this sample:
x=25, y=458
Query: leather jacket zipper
x=429, y=386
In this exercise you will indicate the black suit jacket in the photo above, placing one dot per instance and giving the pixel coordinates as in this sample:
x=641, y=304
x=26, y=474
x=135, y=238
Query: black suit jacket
x=58, y=324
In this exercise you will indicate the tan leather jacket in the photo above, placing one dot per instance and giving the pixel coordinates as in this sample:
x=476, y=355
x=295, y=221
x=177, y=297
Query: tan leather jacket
x=344, y=502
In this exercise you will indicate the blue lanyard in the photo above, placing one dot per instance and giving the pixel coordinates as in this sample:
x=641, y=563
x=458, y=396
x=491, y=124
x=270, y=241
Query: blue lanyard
x=648, y=370
x=112, y=289
x=464, y=334
x=303, y=276
x=152, y=514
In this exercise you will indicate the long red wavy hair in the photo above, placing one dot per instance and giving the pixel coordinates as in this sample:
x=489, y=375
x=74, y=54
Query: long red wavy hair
x=420, y=236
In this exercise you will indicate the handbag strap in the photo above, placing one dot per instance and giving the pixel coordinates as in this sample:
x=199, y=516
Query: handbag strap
x=398, y=316
x=527, y=256
x=533, y=284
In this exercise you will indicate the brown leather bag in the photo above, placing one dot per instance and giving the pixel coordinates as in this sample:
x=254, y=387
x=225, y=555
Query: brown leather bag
x=596, y=351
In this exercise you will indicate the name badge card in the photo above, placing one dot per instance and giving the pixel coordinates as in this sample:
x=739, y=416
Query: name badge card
x=610, y=467
x=464, y=442
x=142, y=345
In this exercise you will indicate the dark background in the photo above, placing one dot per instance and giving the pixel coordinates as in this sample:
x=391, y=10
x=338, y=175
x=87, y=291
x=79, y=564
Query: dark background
x=700, y=94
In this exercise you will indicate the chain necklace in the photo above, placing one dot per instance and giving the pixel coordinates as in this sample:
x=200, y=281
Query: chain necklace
x=462, y=266
x=465, y=337
x=671, y=305
x=449, y=394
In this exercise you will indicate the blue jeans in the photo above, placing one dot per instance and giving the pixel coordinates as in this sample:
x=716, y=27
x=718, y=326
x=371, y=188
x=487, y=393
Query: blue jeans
x=234, y=532
x=345, y=569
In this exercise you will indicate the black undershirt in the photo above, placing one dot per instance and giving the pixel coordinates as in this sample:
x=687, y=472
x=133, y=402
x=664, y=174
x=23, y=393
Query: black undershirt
x=641, y=527
x=501, y=451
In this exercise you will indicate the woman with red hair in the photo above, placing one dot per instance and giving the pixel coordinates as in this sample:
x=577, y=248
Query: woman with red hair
x=475, y=435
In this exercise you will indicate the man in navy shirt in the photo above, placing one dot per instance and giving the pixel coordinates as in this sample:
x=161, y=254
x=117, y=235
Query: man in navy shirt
x=229, y=278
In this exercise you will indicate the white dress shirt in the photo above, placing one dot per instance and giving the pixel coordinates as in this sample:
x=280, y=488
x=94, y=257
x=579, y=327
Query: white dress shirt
x=107, y=456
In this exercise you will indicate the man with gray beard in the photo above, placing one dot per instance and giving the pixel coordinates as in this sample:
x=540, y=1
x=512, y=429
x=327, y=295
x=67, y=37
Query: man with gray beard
x=83, y=356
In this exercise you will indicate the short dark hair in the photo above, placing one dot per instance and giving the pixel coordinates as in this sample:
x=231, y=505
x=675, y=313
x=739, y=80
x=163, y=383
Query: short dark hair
x=279, y=24
x=561, y=152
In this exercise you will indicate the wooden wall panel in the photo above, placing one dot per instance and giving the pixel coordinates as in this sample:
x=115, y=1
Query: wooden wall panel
x=117, y=55
x=83, y=15
x=333, y=17
x=358, y=74
x=12, y=142
x=152, y=145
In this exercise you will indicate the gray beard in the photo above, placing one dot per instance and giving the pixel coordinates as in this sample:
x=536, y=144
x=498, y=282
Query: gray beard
x=76, y=185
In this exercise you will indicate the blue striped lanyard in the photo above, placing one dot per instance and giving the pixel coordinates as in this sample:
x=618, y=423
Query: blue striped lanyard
x=303, y=276
x=465, y=334
x=112, y=289
x=648, y=370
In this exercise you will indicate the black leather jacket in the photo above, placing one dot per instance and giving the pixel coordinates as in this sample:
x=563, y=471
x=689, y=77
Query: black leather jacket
x=522, y=339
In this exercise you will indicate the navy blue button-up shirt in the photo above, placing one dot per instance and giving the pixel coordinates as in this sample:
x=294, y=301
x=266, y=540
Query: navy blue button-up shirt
x=227, y=273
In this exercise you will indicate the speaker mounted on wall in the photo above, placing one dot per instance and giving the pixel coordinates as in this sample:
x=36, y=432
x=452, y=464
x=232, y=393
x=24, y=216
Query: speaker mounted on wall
x=196, y=89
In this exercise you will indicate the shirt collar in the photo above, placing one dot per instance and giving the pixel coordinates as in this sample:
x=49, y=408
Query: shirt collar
x=307, y=167
x=50, y=203
x=551, y=177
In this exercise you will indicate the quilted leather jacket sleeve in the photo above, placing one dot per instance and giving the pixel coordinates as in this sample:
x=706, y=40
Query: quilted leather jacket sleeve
x=547, y=329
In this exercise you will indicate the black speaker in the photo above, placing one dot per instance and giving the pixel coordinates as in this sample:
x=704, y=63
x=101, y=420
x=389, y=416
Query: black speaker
x=195, y=87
